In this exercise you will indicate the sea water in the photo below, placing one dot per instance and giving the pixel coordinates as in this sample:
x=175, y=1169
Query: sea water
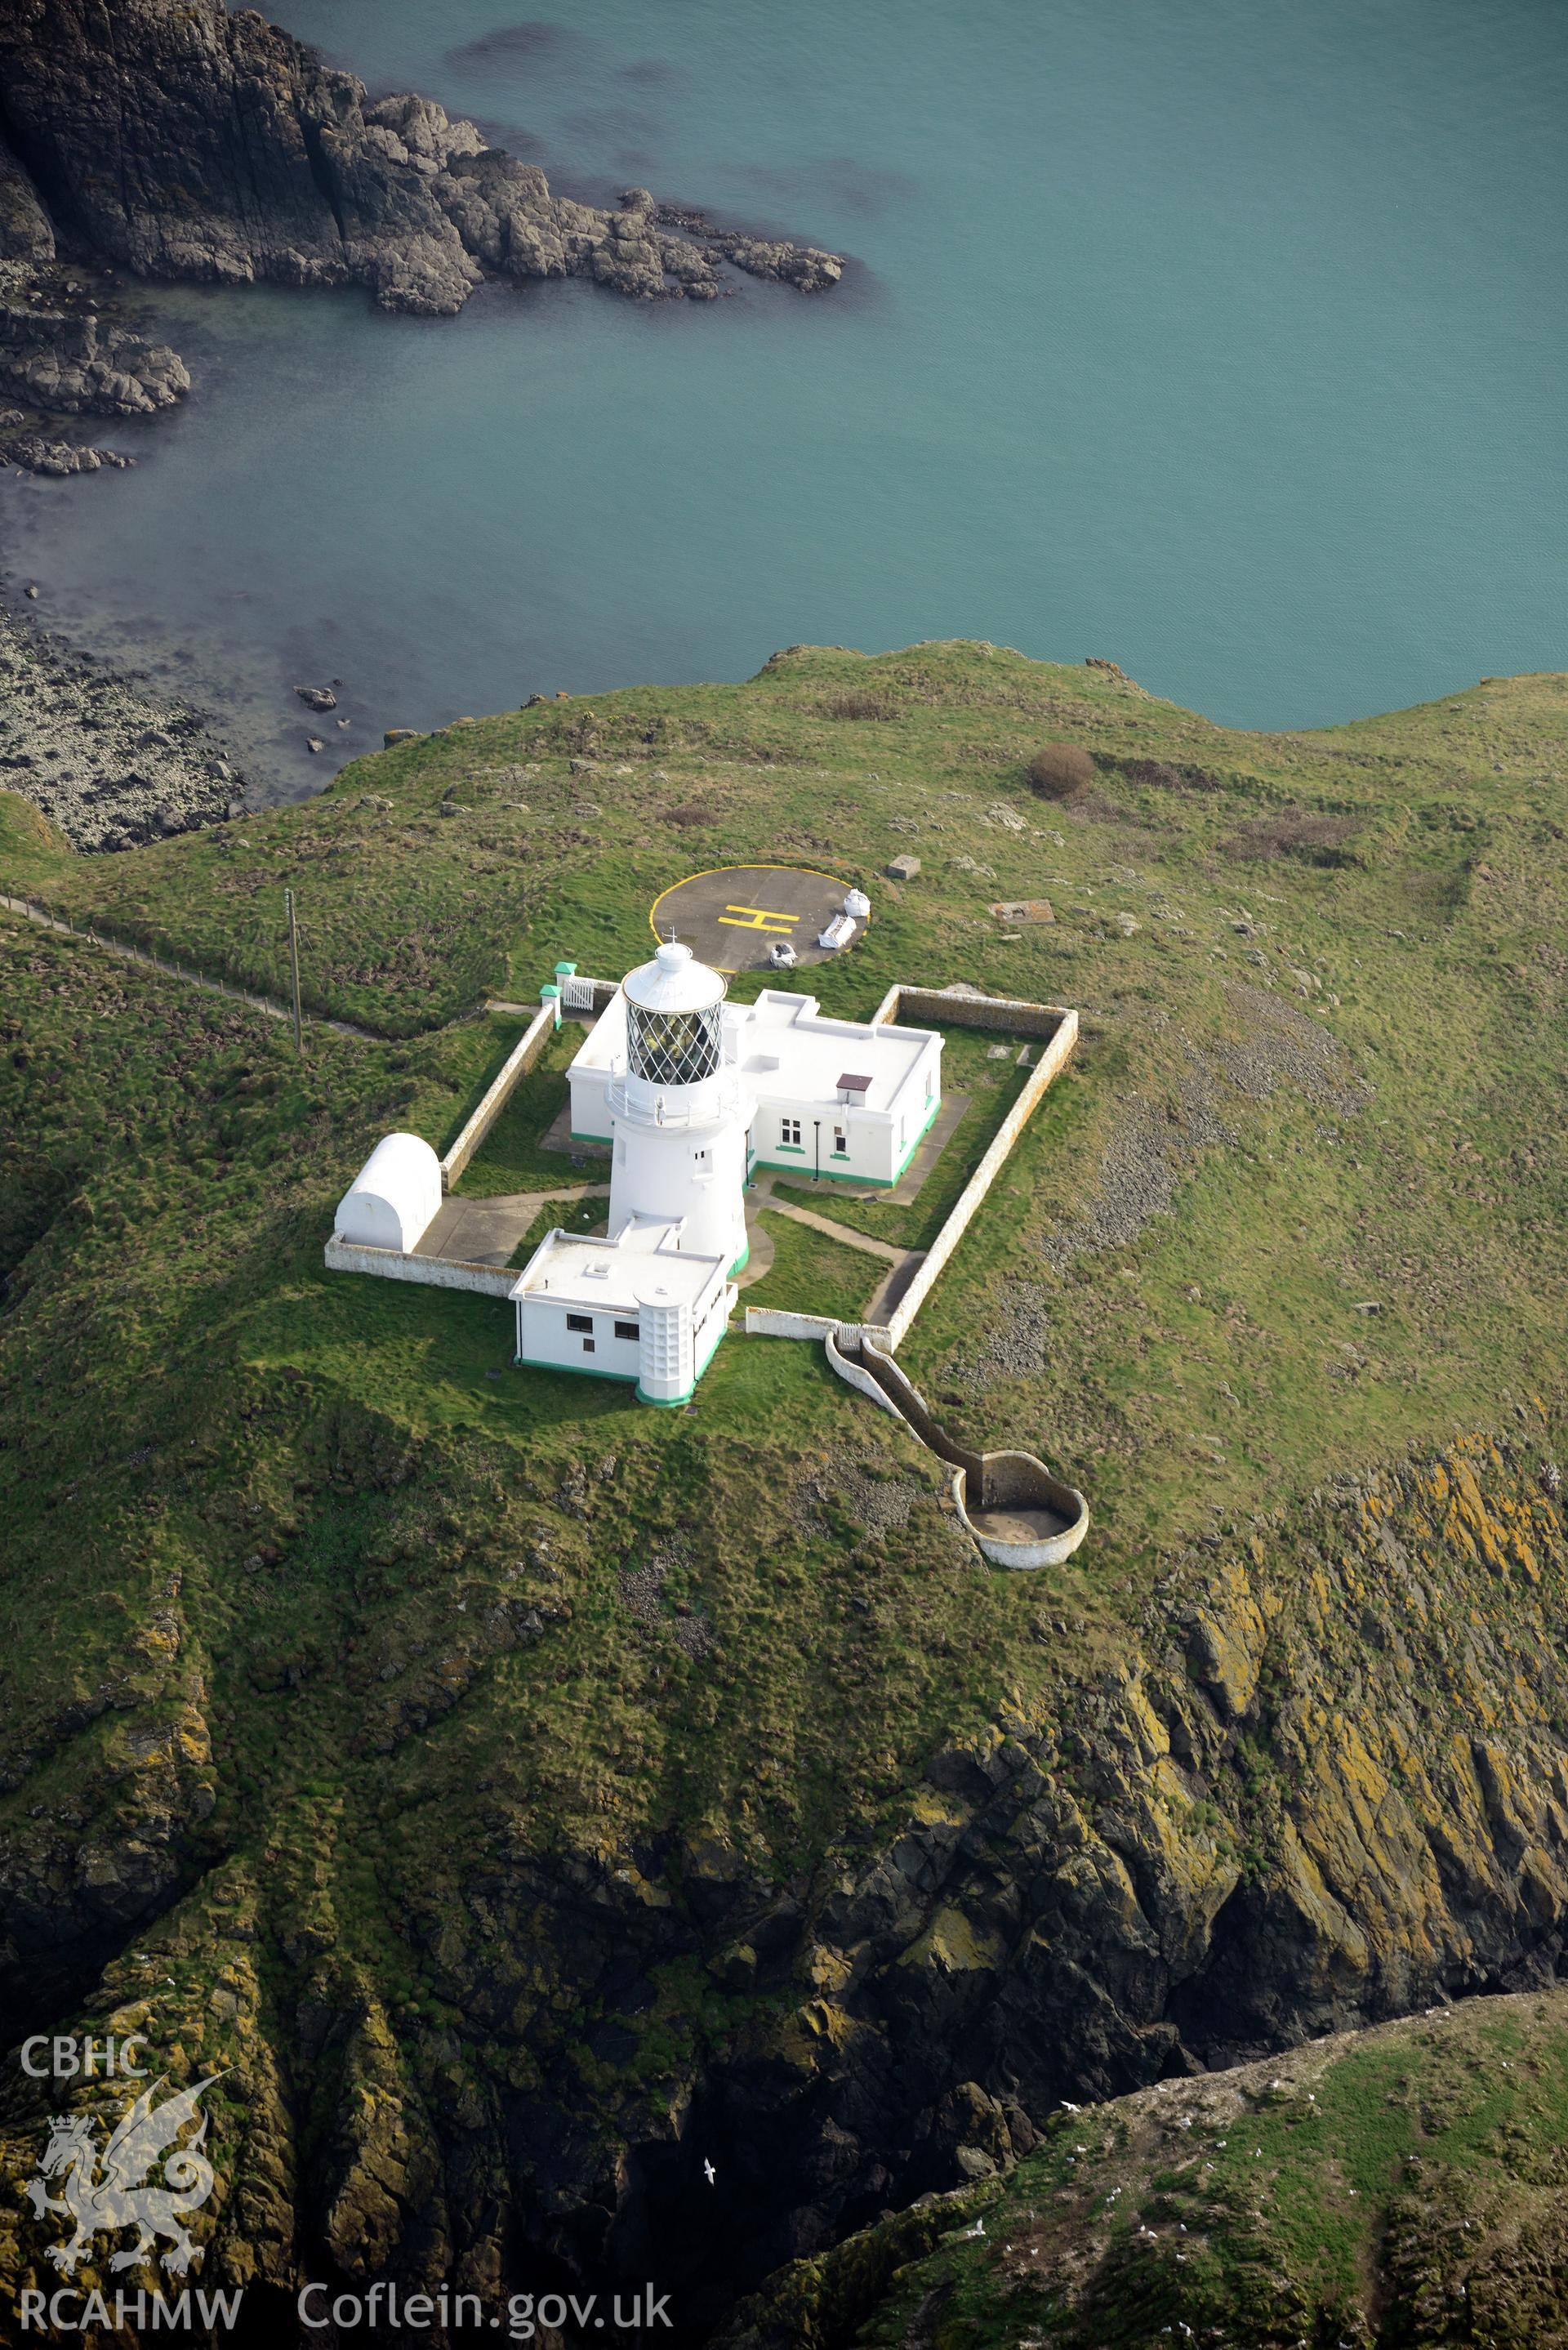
x=1222, y=337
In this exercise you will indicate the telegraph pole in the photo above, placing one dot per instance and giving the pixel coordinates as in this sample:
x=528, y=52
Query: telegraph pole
x=294, y=969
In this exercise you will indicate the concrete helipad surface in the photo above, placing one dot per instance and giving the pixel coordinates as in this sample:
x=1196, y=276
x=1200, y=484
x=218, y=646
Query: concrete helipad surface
x=730, y=917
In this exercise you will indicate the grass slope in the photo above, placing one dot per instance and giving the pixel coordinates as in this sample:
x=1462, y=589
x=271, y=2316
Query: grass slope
x=309, y=1598
x=1400, y=2186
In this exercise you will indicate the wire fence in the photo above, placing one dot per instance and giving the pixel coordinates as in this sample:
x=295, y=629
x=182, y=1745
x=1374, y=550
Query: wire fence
x=247, y=984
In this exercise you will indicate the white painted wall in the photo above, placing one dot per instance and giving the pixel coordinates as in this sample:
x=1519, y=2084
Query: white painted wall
x=430, y=1271
x=517, y=1063
x=665, y=1367
x=878, y=1140
x=543, y=1338
x=590, y=1111
x=1052, y=1061
x=684, y=1173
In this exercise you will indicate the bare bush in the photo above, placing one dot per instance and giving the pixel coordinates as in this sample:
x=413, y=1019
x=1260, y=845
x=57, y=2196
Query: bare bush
x=1060, y=771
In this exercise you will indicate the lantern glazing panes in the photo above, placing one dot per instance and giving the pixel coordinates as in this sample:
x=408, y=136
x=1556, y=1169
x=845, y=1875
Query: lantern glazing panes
x=673, y=1048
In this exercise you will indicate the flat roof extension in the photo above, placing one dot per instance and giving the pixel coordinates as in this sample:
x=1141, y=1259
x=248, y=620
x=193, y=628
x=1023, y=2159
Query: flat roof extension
x=642, y=1266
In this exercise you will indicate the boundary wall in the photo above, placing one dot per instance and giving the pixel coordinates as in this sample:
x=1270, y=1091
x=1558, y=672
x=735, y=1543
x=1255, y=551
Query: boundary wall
x=517, y=1063
x=433, y=1272
x=990, y=1480
x=136, y=950
x=1047, y=1070
x=774, y=1322
x=901, y=1002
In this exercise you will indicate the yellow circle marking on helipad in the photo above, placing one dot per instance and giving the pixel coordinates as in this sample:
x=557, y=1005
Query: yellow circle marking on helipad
x=731, y=915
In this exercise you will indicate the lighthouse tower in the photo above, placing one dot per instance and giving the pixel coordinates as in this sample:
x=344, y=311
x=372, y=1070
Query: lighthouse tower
x=677, y=1111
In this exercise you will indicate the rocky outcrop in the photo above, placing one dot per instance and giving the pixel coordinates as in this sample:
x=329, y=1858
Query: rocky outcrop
x=111, y=765
x=71, y=364
x=184, y=141
x=34, y=454
x=1181, y=2203
x=25, y=233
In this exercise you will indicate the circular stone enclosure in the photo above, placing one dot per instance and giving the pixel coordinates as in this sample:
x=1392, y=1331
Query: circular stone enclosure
x=730, y=917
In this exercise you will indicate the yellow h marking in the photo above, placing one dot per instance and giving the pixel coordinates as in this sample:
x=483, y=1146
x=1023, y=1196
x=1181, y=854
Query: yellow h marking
x=757, y=918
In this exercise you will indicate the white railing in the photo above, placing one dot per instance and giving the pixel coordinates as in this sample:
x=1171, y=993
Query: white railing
x=721, y=1098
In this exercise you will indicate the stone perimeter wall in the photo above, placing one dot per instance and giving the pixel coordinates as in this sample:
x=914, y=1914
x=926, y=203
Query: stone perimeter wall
x=931, y=1004
x=1050, y=1064
x=903, y=1002
x=517, y=1063
x=774, y=1322
x=434, y=1271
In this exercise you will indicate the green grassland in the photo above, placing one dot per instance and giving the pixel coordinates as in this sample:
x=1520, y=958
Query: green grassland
x=1392, y=2186
x=813, y=1275
x=1349, y=1101
x=1376, y=1121
x=307, y=1592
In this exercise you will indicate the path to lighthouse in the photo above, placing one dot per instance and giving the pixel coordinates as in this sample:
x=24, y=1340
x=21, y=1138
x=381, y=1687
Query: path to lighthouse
x=732, y=916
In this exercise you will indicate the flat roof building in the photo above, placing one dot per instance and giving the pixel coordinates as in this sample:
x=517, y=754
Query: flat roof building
x=637, y=1307
x=849, y=1099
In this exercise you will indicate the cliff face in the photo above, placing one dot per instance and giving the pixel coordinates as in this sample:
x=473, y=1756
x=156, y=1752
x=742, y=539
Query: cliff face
x=1401, y=2185
x=187, y=143
x=24, y=231
x=1331, y=1787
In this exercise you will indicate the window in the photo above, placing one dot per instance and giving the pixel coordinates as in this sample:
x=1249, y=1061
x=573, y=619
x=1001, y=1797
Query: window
x=588, y=1346
x=627, y=1330
x=789, y=1132
x=702, y=1157
x=579, y=1321
x=840, y=1142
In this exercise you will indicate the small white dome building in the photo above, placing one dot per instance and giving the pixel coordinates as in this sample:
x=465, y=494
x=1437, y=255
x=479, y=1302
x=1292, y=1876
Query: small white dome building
x=393, y=1198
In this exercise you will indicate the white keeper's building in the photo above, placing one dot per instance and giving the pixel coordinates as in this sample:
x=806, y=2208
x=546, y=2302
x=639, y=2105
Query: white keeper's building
x=691, y=1094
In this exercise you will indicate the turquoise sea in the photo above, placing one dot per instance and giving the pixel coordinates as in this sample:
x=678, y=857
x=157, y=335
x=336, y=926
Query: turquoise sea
x=1224, y=338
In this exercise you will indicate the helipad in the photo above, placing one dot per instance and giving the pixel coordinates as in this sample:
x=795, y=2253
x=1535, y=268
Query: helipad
x=732, y=916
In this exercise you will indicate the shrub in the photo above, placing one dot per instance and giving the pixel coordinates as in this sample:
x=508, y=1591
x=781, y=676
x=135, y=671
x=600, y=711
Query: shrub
x=1060, y=771
x=1295, y=832
x=1163, y=777
x=860, y=705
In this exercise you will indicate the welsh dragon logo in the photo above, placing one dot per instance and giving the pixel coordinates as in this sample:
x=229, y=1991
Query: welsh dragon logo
x=103, y=2191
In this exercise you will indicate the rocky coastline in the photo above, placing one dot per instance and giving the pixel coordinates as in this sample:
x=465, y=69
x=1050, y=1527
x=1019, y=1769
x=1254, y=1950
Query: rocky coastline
x=185, y=143
x=110, y=762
